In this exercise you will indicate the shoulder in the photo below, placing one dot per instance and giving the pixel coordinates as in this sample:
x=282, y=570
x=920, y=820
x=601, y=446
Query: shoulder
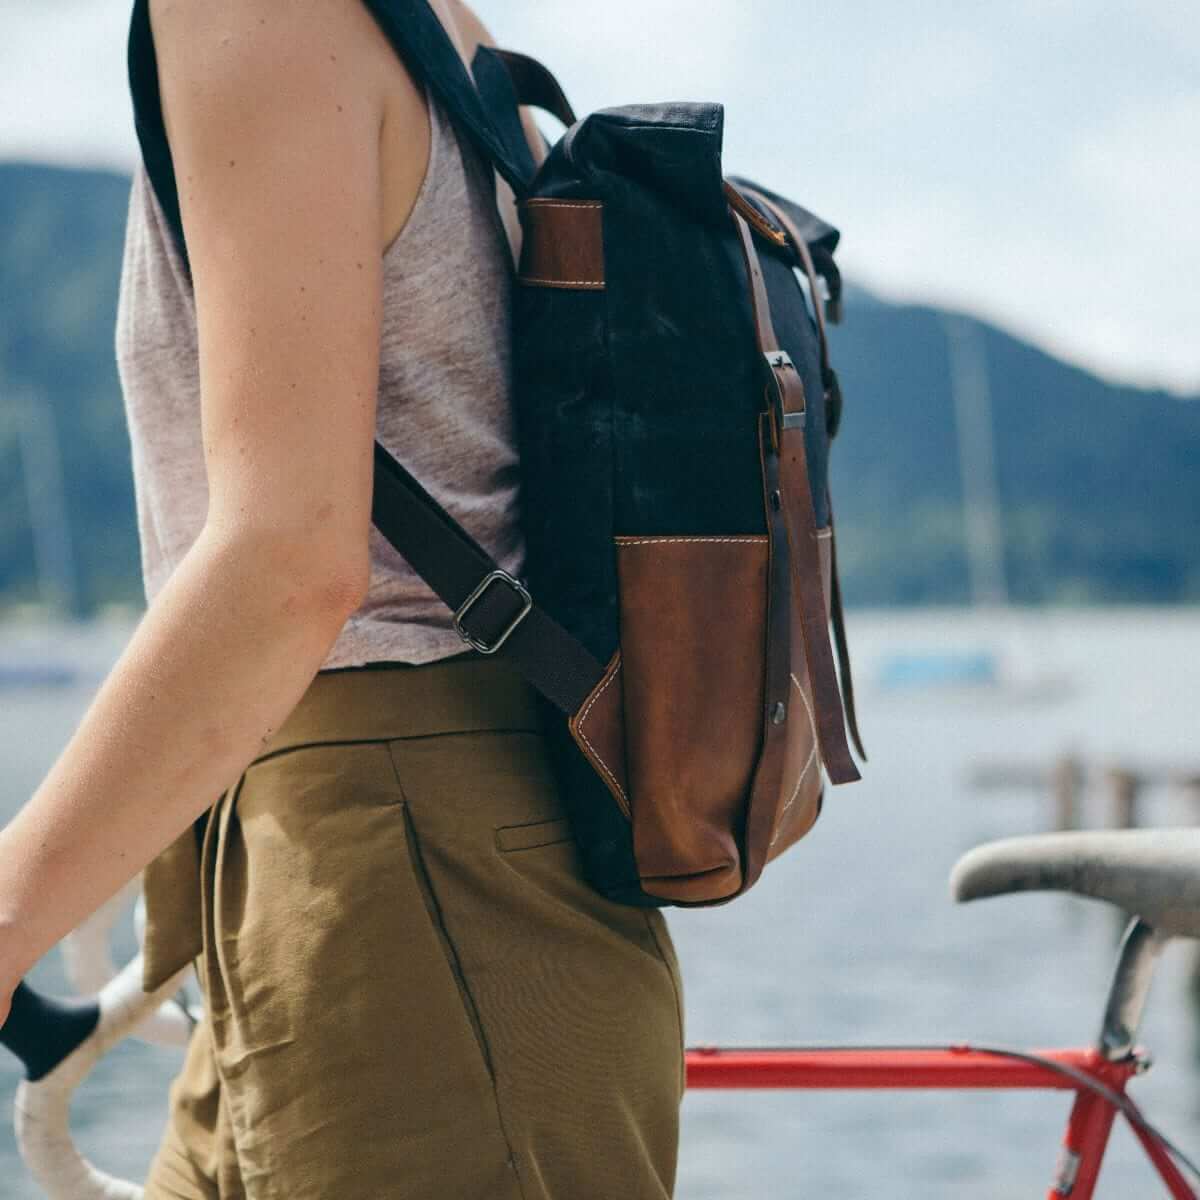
x=245, y=42
x=472, y=33
x=235, y=69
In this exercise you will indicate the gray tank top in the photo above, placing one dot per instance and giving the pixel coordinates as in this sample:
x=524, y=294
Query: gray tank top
x=444, y=394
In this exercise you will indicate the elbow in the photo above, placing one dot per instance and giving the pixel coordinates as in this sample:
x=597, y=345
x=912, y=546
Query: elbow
x=316, y=591
x=335, y=588
x=329, y=586
x=317, y=582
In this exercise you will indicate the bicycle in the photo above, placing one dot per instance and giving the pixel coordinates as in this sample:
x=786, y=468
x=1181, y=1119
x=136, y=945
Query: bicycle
x=1153, y=874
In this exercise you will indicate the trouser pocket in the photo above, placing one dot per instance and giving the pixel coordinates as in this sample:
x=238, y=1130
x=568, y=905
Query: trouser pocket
x=433, y=909
x=574, y=991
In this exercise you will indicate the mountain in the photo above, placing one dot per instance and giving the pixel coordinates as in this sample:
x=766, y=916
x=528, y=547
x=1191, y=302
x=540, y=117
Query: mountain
x=61, y=237
x=1098, y=485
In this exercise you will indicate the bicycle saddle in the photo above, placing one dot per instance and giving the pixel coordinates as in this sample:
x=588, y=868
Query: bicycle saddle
x=1150, y=873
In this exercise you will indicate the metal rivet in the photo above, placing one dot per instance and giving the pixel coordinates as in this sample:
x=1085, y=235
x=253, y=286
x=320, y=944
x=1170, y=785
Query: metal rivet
x=778, y=713
x=776, y=501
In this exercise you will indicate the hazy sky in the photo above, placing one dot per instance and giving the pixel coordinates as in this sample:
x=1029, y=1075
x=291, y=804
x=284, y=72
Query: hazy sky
x=1034, y=161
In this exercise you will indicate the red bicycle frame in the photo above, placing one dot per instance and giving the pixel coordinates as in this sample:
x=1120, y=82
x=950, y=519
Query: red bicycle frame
x=1097, y=1076
x=1087, y=1132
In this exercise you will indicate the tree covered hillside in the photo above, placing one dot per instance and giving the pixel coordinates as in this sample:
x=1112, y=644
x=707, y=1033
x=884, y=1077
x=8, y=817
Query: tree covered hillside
x=1098, y=483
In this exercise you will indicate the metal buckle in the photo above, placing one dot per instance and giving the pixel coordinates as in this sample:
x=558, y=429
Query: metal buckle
x=461, y=611
x=780, y=360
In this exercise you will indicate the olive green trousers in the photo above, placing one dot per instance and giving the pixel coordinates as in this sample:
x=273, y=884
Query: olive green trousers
x=410, y=991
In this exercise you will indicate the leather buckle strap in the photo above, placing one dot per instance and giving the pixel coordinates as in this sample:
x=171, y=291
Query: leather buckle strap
x=787, y=389
x=829, y=379
x=783, y=372
x=801, y=525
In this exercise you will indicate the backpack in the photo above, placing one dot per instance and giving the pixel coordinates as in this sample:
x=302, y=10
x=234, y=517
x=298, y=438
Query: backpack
x=674, y=405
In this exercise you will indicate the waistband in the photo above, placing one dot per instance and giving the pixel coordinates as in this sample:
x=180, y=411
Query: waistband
x=459, y=694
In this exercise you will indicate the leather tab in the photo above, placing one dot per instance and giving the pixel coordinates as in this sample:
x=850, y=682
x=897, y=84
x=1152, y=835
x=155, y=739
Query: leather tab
x=563, y=244
x=599, y=729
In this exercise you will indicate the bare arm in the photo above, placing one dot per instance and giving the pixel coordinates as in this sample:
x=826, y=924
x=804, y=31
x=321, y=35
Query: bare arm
x=275, y=133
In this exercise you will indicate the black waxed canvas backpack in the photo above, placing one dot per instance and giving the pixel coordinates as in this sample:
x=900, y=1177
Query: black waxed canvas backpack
x=674, y=405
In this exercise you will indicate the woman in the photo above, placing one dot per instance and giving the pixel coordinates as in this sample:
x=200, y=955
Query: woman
x=409, y=988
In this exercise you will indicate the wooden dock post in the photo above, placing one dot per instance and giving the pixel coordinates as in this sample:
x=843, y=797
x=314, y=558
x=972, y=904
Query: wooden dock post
x=1066, y=782
x=1123, y=788
x=1189, y=786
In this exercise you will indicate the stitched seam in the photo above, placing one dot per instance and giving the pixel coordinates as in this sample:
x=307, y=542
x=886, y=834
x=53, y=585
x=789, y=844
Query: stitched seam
x=563, y=282
x=210, y=916
x=536, y=202
x=561, y=832
x=812, y=754
x=449, y=950
x=624, y=540
x=587, y=741
x=424, y=885
x=318, y=742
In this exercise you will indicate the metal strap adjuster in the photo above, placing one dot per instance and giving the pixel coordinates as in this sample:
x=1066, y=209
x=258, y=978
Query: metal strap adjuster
x=492, y=577
x=780, y=360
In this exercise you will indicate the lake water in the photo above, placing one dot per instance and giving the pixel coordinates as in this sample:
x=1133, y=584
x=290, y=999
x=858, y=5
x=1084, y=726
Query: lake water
x=850, y=936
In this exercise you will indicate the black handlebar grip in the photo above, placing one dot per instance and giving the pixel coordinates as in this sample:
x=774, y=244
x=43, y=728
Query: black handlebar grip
x=41, y=1030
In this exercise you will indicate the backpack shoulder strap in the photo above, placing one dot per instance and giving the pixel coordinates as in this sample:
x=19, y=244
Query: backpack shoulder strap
x=493, y=611
x=420, y=39
x=507, y=80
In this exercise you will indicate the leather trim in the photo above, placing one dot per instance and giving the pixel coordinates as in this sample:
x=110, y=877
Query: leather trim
x=758, y=222
x=814, y=608
x=692, y=615
x=839, y=641
x=768, y=780
x=599, y=730
x=563, y=244
x=800, y=798
x=804, y=259
x=806, y=767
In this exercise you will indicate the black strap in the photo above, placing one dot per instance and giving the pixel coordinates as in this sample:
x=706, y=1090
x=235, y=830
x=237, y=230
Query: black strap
x=148, y=121
x=499, y=94
x=450, y=561
x=454, y=564
x=506, y=80
x=534, y=84
x=419, y=37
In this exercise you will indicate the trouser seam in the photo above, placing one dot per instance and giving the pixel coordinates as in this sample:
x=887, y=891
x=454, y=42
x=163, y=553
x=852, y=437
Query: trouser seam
x=474, y=1017
x=216, y=836
x=678, y=998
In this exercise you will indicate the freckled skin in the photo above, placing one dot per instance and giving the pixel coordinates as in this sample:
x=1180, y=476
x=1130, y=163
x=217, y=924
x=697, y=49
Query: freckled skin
x=235, y=636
